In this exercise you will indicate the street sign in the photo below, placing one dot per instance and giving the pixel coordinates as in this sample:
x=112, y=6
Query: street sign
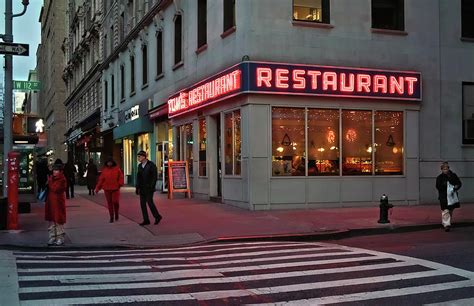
x=26, y=85
x=14, y=49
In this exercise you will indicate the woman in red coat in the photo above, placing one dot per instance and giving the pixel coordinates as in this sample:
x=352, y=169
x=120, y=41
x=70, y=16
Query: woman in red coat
x=55, y=207
x=111, y=179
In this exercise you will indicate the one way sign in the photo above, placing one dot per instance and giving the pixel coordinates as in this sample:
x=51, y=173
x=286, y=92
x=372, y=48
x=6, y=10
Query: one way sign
x=15, y=49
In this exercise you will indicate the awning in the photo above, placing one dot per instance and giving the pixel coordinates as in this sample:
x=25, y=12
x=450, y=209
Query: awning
x=137, y=126
x=161, y=110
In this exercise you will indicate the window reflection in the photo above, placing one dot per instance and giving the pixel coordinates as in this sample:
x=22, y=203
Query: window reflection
x=232, y=149
x=288, y=141
x=323, y=142
x=202, y=147
x=356, y=142
x=389, y=143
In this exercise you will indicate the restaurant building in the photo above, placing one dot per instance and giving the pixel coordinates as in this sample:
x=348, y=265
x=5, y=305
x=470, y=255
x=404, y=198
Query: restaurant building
x=300, y=104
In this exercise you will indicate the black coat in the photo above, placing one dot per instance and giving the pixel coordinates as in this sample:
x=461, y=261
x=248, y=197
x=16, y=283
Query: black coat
x=146, y=177
x=70, y=172
x=442, y=186
x=92, y=173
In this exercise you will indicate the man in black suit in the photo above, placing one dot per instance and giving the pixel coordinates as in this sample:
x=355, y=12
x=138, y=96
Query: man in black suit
x=147, y=176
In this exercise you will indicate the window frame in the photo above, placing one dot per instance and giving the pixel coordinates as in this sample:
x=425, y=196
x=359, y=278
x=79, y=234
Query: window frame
x=228, y=18
x=201, y=24
x=465, y=140
x=465, y=20
x=112, y=91
x=325, y=14
x=106, y=95
x=233, y=150
x=159, y=53
x=399, y=25
x=178, y=40
x=132, y=75
x=122, y=83
x=144, y=65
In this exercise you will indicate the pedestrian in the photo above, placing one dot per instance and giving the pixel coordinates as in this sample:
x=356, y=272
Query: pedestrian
x=91, y=176
x=70, y=174
x=55, y=205
x=147, y=176
x=111, y=179
x=447, y=208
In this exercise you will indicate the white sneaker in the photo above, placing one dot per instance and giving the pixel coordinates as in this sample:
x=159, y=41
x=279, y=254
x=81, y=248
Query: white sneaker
x=59, y=242
x=51, y=241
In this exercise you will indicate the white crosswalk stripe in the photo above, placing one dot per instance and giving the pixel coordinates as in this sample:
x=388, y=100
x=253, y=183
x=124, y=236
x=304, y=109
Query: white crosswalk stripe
x=271, y=273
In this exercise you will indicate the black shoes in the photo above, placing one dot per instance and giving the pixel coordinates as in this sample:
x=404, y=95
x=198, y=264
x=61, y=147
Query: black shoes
x=111, y=220
x=447, y=228
x=158, y=219
x=144, y=223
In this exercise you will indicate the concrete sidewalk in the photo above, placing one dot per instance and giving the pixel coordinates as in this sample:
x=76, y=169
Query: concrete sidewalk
x=190, y=221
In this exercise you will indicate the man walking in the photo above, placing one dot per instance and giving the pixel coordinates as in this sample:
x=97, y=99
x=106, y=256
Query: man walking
x=147, y=176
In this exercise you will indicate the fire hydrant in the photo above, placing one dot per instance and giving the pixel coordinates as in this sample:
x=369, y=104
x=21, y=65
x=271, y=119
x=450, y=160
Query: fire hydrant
x=384, y=207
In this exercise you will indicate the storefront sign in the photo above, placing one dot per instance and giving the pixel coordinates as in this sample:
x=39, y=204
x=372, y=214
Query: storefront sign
x=291, y=79
x=132, y=114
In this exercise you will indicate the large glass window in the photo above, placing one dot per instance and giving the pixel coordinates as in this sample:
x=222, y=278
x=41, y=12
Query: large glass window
x=468, y=112
x=311, y=10
x=467, y=18
x=323, y=142
x=288, y=141
x=388, y=14
x=233, y=144
x=202, y=147
x=388, y=143
x=356, y=142
x=187, y=146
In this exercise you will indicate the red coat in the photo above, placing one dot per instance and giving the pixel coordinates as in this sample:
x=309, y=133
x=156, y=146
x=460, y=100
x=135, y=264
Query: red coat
x=55, y=207
x=111, y=178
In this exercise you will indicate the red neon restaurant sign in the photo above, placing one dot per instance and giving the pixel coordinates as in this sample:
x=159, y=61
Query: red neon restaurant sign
x=275, y=78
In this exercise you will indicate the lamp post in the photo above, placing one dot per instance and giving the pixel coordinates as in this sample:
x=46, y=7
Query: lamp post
x=7, y=108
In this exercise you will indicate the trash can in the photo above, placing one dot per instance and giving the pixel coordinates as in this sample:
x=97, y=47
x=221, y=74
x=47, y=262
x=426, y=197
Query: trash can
x=3, y=213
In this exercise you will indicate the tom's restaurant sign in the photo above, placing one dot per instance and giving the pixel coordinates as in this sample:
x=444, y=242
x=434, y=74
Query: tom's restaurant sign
x=292, y=79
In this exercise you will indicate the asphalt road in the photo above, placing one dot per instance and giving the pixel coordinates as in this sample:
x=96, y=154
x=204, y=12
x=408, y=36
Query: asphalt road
x=369, y=270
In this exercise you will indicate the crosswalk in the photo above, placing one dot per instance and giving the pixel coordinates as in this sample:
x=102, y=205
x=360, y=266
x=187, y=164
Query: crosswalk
x=253, y=273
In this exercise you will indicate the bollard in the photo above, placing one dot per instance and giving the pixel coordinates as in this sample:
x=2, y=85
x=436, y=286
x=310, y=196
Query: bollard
x=384, y=207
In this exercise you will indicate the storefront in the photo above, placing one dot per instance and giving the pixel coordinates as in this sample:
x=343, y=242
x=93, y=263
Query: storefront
x=272, y=135
x=133, y=133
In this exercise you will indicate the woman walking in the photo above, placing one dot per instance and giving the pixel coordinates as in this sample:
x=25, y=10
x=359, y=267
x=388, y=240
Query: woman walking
x=91, y=176
x=111, y=179
x=55, y=206
x=447, y=176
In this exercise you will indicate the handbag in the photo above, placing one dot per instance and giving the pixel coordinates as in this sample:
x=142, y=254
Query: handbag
x=43, y=194
x=452, y=195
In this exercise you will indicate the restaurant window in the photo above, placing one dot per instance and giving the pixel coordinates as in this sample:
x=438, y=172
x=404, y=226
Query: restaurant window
x=187, y=146
x=356, y=142
x=229, y=14
x=202, y=23
x=144, y=64
x=388, y=15
x=159, y=53
x=233, y=144
x=311, y=10
x=122, y=82
x=467, y=18
x=128, y=148
x=288, y=141
x=468, y=112
x=132, y=74
x=323, y=142
x=202, y=147
x=178, y=39
x=388, y=143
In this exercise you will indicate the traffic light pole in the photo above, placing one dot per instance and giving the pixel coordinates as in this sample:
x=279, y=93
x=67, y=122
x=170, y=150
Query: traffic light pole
x=8, y=97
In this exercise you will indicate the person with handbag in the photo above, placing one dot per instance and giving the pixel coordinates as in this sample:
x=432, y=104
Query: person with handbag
x=111, y=179
x=448, y=184
x=55, y=205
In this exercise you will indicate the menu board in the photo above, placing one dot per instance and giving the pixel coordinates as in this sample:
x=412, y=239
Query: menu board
x=178, y=178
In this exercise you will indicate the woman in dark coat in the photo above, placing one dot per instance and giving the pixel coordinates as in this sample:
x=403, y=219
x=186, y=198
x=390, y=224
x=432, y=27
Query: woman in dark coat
x=111, y=179
x=442, y=186
x=55, y=206
x=91, y=176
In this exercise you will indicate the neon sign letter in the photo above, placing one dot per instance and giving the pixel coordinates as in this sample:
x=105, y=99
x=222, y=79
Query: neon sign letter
x=264, y=75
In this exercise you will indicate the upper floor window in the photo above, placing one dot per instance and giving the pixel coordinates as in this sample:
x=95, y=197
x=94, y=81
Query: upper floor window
x=229, y=14
x=144, y=64
x=106, y=88
x=178, y=26
x=311, y=10
x=112, y=91
x=388, y=15
x=467, y=17
x=468, y=112
x=159, y=53
x=132, y=74
x=202, y=23
x=122, y=82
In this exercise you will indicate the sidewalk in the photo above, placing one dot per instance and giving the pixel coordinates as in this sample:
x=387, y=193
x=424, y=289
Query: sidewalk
x=190, y=221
